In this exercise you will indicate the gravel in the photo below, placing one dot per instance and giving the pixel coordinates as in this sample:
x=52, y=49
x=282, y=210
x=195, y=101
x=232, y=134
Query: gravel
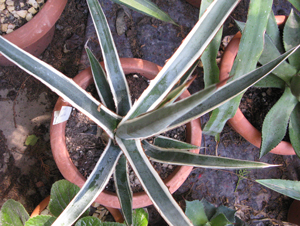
x=15, y=13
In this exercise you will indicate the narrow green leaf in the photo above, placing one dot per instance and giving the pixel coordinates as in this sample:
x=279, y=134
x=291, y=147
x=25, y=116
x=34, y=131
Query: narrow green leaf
x=146, y=7
x=61, y=85
x=89, y=221
x=100, y=81
x=115, y=74
x=152, y=183
x=140, y=217
x=123, y=189
x=295, y=3
x=285, y=187
x=158, y=120
x=195, y=211
x=13, y=213
x=294, y=129
x=92, y=187
x=276, y=121
x=274, y=33
x=196, y=105
x=42, y=220
x=285, y=71
x=208, y=58
x=179, y=157
x=271, y=81
x=188, y=52
x=291, y=37
x=250, y=49
x=167, y=142
x=62, y=192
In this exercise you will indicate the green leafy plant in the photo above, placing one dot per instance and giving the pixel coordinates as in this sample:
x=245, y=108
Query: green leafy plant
x=62, y=192
x=203, y=213
x=285, y=76
x=155, y=112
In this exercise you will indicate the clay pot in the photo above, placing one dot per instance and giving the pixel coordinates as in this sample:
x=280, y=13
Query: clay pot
x=43, y=205
x=195, y=3
x=36, y=35
x=239, y=123
x=294, y=213
x=69, y=170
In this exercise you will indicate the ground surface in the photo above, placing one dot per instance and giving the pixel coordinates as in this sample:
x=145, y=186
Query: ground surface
x=26, y=173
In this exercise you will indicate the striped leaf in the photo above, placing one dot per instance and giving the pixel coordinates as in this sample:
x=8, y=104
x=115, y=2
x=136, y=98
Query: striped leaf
x=285, y=187
x=115, y=74
x=147, y=7
x=62, y=86
x=123, y=189
x=188, y=52
x=152, y=183
x=167, y=142
x=179, y=157
x=101, y=82
x=250, y=49
x=92, y=187
x=185, y=110
x=208, y=58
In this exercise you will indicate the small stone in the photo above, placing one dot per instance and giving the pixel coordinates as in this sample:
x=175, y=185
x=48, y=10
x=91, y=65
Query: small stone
x=33, y=3
x=96, y=215
x=40, y=1
x=9, y=2
x=10, y=8
x=2, y=6
x=22, y=13
x=4, y=27
x=2, y=1
x=95, y=204
x=9, y=31
x=22, y=4
x=11, y=26
x=29, y=16
x=32, y=10
x=2, y=20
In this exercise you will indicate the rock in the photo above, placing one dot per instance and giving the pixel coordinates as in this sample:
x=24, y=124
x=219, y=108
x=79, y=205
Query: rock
x=9, y=31
x=2, y=6
x=4, y=27
x=32, y=10
x=10, y=8
x=2, y=1
x=29, y=16
x=22, y=13
x=10, y=2
x=33, y=3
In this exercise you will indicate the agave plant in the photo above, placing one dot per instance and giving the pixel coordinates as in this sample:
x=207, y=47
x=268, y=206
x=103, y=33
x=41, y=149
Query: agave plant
x=155, y=112
x=286, y=76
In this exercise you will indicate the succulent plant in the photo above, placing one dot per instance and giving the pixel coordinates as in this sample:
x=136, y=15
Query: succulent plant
x=285, y=113
x=155, y=112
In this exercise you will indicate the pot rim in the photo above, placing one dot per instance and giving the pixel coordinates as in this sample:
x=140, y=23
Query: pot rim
x=239, y=122
x=69, y=170
x=36, y=34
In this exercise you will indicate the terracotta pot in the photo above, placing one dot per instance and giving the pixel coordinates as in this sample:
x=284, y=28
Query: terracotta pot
x=43, y=205
x=195, y=3
x=36, y=35
x=69, y=170
x=294, y=213
x=239, y=123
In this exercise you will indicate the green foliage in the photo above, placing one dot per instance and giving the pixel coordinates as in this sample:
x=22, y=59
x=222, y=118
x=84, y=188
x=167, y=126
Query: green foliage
x=31, y=140
x=203, y=213
x=153, y=113
x=13, y=213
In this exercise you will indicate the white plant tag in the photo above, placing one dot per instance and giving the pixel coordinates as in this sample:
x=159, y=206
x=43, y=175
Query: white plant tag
x=62, y=115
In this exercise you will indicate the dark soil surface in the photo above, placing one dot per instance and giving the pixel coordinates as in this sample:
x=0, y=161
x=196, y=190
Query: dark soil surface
x=155, y=41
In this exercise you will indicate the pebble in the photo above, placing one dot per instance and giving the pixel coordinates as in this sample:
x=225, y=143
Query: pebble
x=17, y=13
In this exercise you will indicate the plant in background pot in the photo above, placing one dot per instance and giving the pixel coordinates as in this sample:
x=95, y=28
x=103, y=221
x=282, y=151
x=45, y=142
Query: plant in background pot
x=155, y=112
x=62, y=192
x=36, y=35
x=236, y=59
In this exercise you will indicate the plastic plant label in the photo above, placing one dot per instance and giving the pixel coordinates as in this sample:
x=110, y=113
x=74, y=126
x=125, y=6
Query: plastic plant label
x=62, y=115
